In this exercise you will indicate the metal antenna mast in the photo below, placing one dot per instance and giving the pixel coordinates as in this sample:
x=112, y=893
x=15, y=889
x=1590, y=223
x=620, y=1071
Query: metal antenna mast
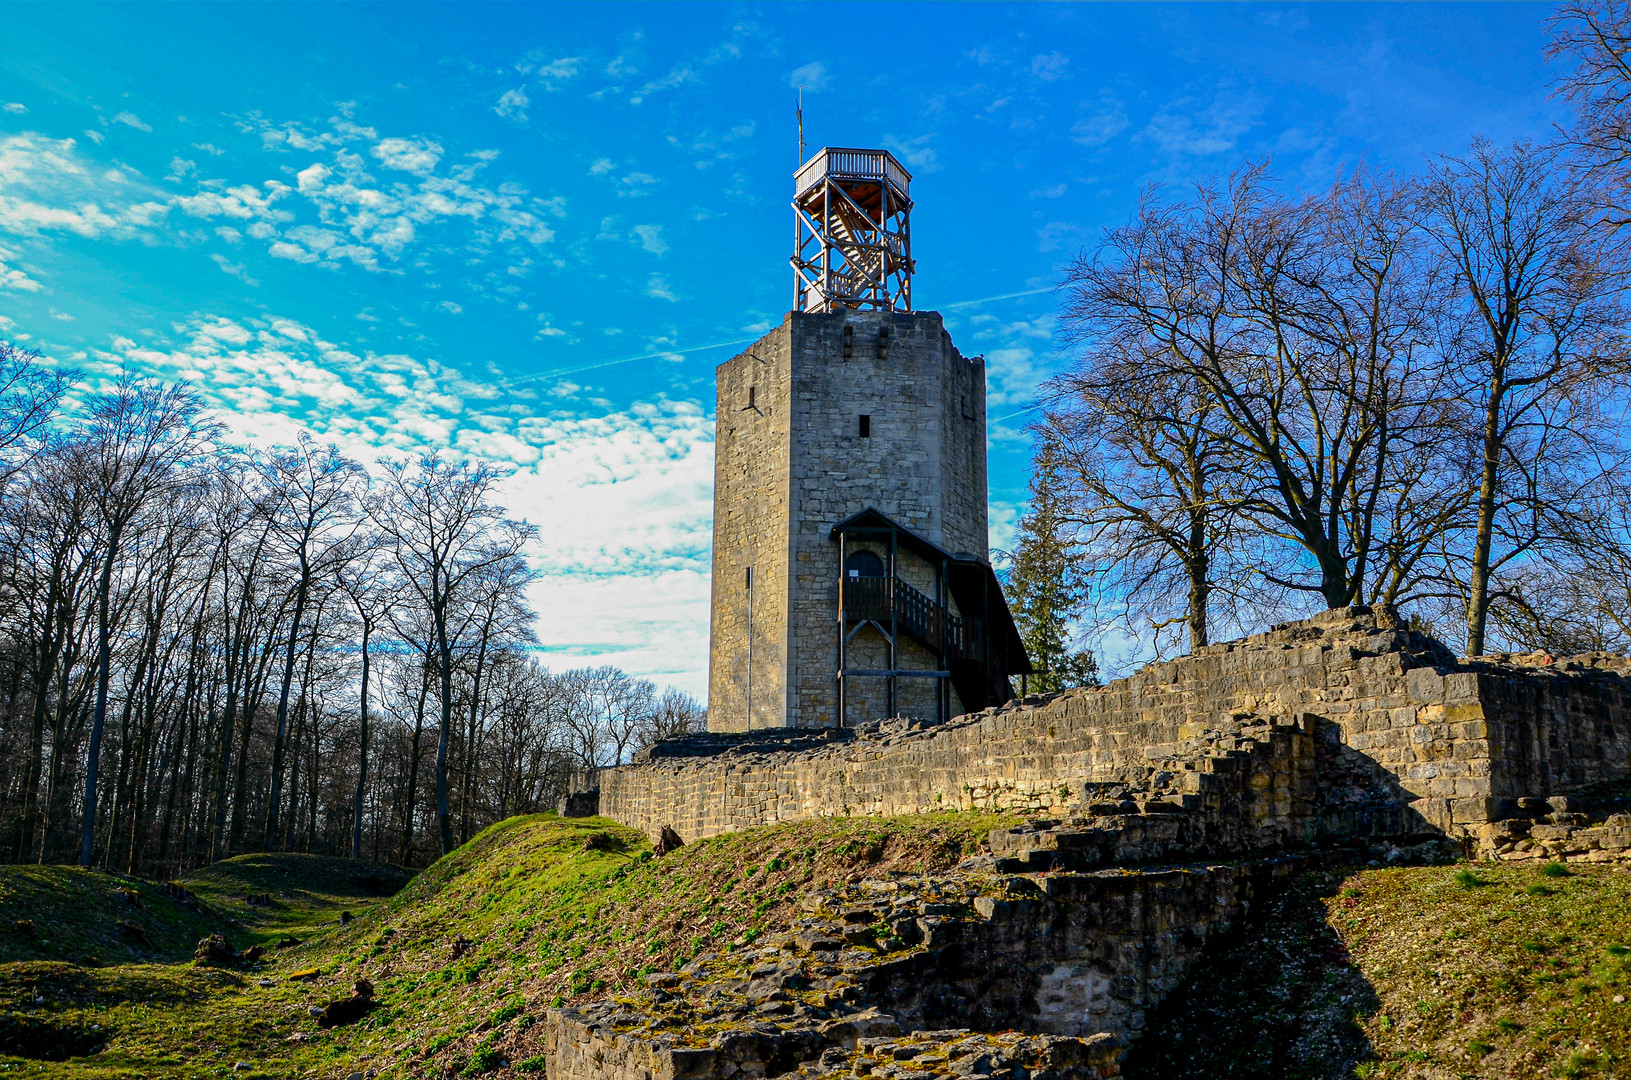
x=852, y=245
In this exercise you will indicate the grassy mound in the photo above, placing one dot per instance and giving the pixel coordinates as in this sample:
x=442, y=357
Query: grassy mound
x=99, y=964
x=1485, y=971
x=90, y=917
x=1421, y=972
x=304, y=891
x=532, y=912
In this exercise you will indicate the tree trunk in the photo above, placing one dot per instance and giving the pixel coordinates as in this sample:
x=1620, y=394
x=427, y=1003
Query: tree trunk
x=444, y=817
x=99, y=715
x=362, y=755
x=1488, y=485
x=283, y=707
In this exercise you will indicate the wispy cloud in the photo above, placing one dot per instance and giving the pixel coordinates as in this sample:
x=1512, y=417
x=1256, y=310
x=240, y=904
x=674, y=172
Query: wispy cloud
x=130, y=119
x=651, y=238
x=1193, y=127
x=1106, y=120
x=235, y=269
x=812, y=77
x=13, y=278
x=1050, y=67
x=47, y=185
x=513, y=104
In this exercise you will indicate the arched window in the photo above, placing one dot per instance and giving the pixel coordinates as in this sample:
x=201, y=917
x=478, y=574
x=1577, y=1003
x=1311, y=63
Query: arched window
x=863, y=564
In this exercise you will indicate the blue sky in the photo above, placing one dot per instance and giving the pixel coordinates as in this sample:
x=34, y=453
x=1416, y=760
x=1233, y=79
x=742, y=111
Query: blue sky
x=529, y=232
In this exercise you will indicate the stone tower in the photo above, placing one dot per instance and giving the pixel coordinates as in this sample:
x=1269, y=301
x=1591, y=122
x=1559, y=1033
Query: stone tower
x=850, y=569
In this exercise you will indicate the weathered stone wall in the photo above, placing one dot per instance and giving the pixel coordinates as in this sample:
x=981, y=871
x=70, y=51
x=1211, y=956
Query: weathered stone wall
x=753, y=421
x=794, y=464
x=924, y=964
x=1406, y=737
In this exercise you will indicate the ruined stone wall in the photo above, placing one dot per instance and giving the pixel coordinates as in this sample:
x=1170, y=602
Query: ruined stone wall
x=936, y=964
x=1406, y=737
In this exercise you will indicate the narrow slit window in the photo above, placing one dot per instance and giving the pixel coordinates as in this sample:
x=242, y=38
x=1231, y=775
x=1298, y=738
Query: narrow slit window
x=866, y=426
x=752, y=395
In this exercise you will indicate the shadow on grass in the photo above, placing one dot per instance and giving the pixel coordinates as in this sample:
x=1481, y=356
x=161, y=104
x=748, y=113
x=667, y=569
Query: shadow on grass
x=1279, y=999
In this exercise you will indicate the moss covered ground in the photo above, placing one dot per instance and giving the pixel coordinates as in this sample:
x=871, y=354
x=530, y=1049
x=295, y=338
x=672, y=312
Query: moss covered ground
x=532, y=912
x=1507, y=971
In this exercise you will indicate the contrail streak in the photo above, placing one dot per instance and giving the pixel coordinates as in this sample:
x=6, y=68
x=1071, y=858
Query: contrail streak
x=559, y=373
x=1004, y=296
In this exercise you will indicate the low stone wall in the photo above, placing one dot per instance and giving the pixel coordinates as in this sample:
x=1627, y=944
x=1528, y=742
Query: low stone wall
x=1407, y=738
x=927, y=969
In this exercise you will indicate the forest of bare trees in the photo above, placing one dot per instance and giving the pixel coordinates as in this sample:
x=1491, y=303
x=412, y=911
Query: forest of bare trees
x=1407, y=391
x=210, y=649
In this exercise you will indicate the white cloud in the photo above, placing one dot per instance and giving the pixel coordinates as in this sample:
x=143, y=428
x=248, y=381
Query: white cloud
x=1050, y=67
x=918, y=155
x=312, y=178
x=235, y=269
x=651, y=238
x=209, y=148
x=243, y=202
x=1186, y=126
x=636, y=185
x=450, y=307
x=1102, y=125
x=47, y=185
x=13, y=278
x=658, y=288
x=409, y=155
x=130, y=119
x=512, y=104
x=16, y=107
x=602, y=166
x=812, y=77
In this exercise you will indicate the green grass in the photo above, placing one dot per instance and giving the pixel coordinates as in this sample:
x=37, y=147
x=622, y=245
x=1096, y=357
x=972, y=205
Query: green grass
x=1526, y=986
x=465, y=958
x=1410, y=973
x=76, y=916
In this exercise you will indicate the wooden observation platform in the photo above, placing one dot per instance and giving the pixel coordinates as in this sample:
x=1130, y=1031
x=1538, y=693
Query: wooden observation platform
x=853, y=239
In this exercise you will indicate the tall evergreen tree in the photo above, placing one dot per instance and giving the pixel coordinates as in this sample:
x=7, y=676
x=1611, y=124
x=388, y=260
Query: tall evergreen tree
x=1044, y=587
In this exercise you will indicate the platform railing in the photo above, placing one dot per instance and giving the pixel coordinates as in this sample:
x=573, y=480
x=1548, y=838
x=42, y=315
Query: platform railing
x=851, y=164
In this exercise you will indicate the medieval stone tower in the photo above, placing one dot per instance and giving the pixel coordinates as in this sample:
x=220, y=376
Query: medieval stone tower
x=851, y=577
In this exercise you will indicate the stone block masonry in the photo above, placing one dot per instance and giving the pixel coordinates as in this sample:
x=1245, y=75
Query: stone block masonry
x=792, y=461
x=932, y=975
x=1404, y=739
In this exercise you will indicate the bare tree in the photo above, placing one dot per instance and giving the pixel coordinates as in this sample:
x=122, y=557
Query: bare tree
x=361, y=575
x=1537, y=312
x=674, y=713
x=444, y=535
x=1596, y=38
x=315, y=495
x=142, y=437
x=1298, y=332
x=29, y=394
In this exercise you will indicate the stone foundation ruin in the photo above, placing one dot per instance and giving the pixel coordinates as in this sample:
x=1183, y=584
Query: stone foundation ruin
x=1165, y=803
